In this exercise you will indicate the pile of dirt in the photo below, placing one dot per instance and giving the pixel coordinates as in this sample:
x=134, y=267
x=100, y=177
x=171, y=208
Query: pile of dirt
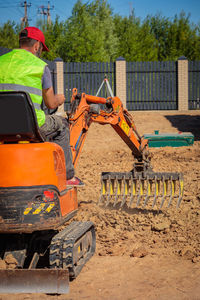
x=145, y=234
x=167, y=231
x=141, y=253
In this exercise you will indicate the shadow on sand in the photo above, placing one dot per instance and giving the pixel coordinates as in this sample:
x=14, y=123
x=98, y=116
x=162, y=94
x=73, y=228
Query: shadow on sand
x=186, y=123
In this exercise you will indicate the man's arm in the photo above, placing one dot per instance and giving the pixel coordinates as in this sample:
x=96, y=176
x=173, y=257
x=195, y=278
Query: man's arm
x=51, y=100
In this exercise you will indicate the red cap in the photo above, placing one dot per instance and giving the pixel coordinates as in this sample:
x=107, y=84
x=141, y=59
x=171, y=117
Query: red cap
x=36, y=34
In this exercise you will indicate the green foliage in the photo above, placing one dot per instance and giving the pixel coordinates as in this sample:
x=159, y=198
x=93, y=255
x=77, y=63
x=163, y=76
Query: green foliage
x=88, y=34
x=136, y=42
x=9, y=35
x=53, y=35
x=93, y=33
x=159, y=27
x=182, y=39
x=78, y=40
x=175, y=38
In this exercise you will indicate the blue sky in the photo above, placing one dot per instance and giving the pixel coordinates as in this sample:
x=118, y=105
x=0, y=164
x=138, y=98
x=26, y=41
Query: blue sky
x=11, y=9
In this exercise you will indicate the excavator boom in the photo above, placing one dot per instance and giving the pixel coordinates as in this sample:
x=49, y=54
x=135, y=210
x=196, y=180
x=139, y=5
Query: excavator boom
x=140, y=184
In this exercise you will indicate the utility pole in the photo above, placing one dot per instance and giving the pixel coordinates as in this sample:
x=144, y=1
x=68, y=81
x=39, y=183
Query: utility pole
x=24, y=20
x=48, y=13
x=130, y=9
x=42, y=11
x=45, y=11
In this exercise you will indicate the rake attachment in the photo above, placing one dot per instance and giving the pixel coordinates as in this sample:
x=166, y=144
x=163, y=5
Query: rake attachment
x=140, y=189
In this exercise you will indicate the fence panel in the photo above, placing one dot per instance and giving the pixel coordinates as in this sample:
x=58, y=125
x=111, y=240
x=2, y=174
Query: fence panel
x=193, y=85
x=151, y=85
x=87, y=77
x=4, y=50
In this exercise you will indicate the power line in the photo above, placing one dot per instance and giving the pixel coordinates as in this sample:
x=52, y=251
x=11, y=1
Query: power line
x=30, y=10
x=3, y=1
x=45, y=11
x=24, y=20
x=61, y=13
x=13, y=13
x=7, y=3
x=8, y=6
x=19, y=11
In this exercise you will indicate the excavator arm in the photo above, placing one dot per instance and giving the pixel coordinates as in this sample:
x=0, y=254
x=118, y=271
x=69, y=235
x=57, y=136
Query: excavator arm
x=86, y=110
x=141, y=183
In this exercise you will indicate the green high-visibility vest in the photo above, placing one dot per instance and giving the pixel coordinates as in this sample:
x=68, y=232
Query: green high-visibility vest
x=20, y=70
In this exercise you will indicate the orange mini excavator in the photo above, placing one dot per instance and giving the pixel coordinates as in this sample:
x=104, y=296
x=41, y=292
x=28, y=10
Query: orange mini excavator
x=35, y=201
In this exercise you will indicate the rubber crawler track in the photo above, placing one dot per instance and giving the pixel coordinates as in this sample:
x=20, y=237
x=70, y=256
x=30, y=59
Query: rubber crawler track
x=62, y=251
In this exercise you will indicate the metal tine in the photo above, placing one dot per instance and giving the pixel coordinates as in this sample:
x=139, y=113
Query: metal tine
x=103, y=190
x=180, y=192
x=118, y=190
x=173, y=184
x=165, y=190
x=157, y=189
x=148, y=192
x=126, y=190
x=141, y=191
x=111, y=188
x=108, y=191
x=133, y=187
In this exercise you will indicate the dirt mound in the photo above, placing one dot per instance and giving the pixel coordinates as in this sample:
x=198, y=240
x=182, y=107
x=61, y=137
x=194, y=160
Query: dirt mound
x=141, y=253
x=170, y=230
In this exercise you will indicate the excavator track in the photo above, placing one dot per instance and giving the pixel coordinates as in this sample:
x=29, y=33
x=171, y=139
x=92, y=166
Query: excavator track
x=139, y=189
x=73, y=247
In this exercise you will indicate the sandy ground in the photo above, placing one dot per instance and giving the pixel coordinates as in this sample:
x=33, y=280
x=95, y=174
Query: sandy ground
x=141, y=253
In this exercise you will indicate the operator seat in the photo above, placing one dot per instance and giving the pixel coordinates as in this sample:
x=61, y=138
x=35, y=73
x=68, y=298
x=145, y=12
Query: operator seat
x=18, y=121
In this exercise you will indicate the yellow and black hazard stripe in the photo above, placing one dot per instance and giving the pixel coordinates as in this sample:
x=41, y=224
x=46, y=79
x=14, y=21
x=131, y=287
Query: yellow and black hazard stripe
x=35, y=209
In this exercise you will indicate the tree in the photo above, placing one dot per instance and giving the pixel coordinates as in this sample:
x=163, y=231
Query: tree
x=159, y=27
x=53, y=37
x=196, y=51
x=92, y=33
x=88, y=34
x=182, y=38
x=103, y=22
x=136, y=42
x=9, y=35
x=175, y=38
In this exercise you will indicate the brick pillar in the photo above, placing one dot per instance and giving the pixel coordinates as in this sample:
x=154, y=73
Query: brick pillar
x=121, y=80
x=182, y=83
x=60, y=83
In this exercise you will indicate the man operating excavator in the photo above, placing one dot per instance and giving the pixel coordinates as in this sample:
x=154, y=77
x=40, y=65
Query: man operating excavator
x=23, y=70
